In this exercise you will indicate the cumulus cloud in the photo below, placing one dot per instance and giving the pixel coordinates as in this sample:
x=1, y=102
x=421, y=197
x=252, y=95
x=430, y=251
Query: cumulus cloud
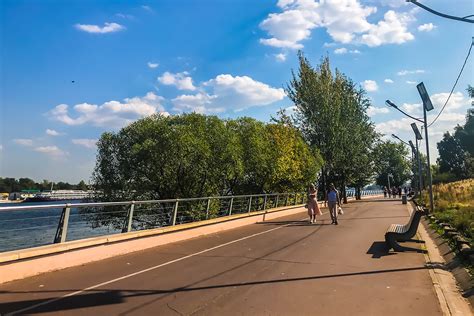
x=52, y=151
x=85, y=142
x=411, y=82
x=428, y=27
x=23, y=141
x=373, y=110
x=370, y=85
x=345, y=21
x=107, y=28
x=343, y=50
x=454, y=114
x=410, y=72
x=52, y=132
x=280, y=57
x=388, y=80
x=180, y=80
x=152, y=65
x=391, y=30
x=411, y=108
x=111, y=113
x=226, y=92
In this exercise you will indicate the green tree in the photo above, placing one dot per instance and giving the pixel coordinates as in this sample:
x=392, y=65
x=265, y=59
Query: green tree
x=331, y=114
x=390, y=158
x=452, y=157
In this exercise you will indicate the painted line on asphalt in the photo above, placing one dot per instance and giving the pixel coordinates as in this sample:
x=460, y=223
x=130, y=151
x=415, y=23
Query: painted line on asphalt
x=146, y=270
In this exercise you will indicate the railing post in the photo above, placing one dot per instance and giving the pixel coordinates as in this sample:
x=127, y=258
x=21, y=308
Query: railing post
x=175, y=212
x=61, y=231
x=250, y=204
x=128, y=228
x=276, y=202
x=230, y=206
x=207, y=207
x=265, y=203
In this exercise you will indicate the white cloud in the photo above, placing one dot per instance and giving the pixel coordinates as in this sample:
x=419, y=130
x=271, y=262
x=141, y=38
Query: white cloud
x=373, y=110
x=110, y=113
x=428, y=27
x=411, y=108
x=457, y=101
x=85, y=142
x=345, y=21
x=388, y=80
x=147, y=8
x=370, y=85
x=344, y=50
x=411, y=82
x=52, y=151
x=180, y=80
x=391, y=30
x=152, y=65
x=1, y=147
x=281, y=57
x=23, y=141
x=340, y=51
x=52, y=132
x=454, y=114
x=410, y=72
x=107, y=28
x=226, y=92
x=125, y=16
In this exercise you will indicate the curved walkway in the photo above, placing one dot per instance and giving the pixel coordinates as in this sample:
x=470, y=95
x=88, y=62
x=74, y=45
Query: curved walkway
x=280, y=267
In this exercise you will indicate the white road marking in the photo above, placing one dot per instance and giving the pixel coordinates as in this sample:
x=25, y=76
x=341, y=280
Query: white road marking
x=145, y=270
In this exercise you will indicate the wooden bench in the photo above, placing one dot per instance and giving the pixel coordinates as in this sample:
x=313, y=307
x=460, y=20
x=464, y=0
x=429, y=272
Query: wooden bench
x=399, y=232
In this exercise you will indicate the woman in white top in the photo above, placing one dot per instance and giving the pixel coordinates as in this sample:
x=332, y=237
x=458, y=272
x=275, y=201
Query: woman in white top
x=333, y=202
x=313, y=207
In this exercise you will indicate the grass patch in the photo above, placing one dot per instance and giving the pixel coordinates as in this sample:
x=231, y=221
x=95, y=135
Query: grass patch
x=454, y=204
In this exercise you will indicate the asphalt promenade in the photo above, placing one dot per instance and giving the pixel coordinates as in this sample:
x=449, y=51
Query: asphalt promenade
x=280, y=267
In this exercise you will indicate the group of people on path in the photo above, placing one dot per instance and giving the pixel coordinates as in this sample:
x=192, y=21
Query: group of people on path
x=394, y=191
x=332, y=197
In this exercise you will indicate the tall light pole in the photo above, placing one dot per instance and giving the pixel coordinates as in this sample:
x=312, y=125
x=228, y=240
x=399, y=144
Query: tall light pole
x=417, y=138
x=413, y=154
x=427, y=106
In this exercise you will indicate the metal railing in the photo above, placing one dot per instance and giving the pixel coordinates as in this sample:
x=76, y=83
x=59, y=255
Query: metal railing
x=37, y=225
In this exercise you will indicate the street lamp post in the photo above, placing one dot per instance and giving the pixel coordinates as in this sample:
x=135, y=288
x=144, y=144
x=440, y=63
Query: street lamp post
x=413, y=153
x=417, y=138
x=427, y=106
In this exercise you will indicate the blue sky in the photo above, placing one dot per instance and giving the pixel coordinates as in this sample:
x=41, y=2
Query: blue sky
x=129, y=59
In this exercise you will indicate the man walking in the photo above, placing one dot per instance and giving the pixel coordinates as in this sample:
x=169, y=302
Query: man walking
x=333, y=201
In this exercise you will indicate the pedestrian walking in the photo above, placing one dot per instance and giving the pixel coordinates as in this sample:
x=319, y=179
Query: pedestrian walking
x=333, y=201
x=384, y=192
x=399, y=192
x=313, y=207
x=389, y=193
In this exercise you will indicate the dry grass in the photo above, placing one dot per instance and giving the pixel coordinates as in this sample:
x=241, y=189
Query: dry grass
x=454, y=204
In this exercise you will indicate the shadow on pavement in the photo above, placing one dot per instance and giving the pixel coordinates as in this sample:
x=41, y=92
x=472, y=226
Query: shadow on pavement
x=380, y=249
x=294, y=223
x=109, y=297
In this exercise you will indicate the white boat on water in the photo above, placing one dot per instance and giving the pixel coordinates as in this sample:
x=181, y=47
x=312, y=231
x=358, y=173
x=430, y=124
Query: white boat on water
x=60, y=195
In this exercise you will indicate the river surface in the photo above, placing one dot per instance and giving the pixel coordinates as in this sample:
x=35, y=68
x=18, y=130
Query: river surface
x=31, y=228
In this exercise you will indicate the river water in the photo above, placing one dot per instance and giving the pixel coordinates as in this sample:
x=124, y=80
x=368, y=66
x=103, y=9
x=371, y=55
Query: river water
x=31, y=228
